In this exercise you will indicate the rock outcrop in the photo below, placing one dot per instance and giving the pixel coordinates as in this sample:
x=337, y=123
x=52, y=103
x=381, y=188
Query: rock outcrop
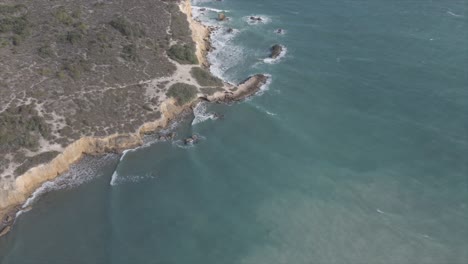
x=276, y=51
x=221, y=16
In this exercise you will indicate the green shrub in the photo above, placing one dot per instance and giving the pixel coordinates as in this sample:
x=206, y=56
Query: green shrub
x=11, y=9
x=16, y=25
x=180, y=28
x=182, y=92
x=76, y=68
x=183, y=54
x=63, y=17
x=16, y=40
x=45, y=51
x=73, y=37
x=20, y=127
x=126, y=28
x=61, y=75
x=130, y=52
x=205, y=78
x=13, y=20
x=81, y=27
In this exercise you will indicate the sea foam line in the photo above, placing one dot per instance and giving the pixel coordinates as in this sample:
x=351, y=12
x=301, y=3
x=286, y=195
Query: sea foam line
x=115, y=175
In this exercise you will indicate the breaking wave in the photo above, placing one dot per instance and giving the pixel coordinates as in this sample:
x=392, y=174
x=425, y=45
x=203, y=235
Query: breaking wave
x=225, y=54
x=201, y=114
x=132, y=178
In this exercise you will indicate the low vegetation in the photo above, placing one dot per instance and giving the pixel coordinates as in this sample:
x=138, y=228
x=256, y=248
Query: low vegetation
x=182, y=92
x=12, y=9
x=63, y=16
x=130, y=52
x=76, y=68
x=21, y=127
x=180, y=28
x=45, y=51
x=73, y=37
x=205, y=78
x=183, y=54
x=14, y=23
x=126, y=28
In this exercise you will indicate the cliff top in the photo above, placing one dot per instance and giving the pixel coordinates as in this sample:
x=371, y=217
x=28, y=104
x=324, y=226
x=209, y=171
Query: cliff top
x=83, y=68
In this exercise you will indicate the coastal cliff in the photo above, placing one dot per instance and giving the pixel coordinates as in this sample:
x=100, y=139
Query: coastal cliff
x=15, y=191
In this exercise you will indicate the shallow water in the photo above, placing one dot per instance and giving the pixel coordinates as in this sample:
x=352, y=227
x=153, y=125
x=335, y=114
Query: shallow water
x=356, y=153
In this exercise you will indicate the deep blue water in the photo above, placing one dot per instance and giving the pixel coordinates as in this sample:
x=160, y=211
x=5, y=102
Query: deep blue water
x=356, y=153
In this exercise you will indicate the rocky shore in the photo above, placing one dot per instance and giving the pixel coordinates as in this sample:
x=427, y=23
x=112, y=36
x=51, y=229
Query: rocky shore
x=16, y=191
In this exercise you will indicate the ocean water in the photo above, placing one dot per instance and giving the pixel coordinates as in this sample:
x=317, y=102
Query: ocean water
x=356, y=152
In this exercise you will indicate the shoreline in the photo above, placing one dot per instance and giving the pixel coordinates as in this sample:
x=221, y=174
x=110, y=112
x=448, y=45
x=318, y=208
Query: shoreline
x=25, y=185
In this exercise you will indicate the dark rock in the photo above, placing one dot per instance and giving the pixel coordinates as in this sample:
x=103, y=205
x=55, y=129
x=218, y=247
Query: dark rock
x=191, y=140
x=279, y=31
x=172, y=135
x=252, y=18
x=221, y=16
x=276, y=51
x=230, y=30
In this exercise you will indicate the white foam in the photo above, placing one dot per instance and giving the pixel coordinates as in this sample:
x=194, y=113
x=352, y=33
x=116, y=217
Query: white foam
x=115, y=175
x=200, y=9
x=196, y=2
x=133, y=179
x=201, y=115
x=266, y=86
x=181, y=143
x=173, y=125
x=453, y=14
x=277, y=59
x=124, y=153
x=225, y=54
x=262, y=109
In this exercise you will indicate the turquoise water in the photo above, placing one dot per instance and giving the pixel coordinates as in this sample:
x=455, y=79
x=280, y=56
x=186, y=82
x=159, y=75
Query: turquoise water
x=356, y=153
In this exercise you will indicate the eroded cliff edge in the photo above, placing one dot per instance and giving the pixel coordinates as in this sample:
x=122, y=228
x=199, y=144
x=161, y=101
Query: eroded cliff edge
x=99, y=90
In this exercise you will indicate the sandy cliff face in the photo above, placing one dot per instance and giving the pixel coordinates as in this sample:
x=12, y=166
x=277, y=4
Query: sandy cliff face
x=16, y=191
x=200, y=33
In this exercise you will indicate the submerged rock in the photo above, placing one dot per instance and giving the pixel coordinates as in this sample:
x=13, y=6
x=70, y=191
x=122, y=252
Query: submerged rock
x=191, y=140
x=276, y=51
x=221, y=16
x=230, y=30
x=279, y=31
